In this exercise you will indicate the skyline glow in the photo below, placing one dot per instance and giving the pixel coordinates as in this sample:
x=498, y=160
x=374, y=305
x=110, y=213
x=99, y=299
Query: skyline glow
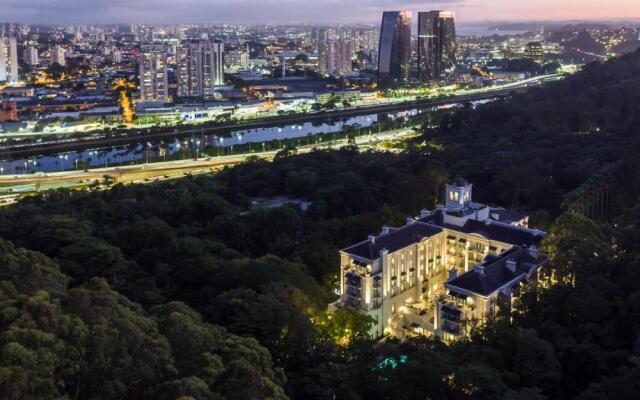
x=291, y=11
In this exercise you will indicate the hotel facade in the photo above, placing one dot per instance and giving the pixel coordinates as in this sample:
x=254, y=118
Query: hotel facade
x=443, y=271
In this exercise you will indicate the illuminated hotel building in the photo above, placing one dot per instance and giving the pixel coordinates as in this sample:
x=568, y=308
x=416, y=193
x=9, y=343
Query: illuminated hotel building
x=442, y=270
x=394, y=54
x=436, y=45
x=153, y=73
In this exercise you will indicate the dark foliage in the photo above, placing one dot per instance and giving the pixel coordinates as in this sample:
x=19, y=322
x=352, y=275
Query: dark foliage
x=186, y=290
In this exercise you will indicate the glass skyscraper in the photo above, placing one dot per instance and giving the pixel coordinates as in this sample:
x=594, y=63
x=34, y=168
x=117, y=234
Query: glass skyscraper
x=394, y=55
x=436, y=45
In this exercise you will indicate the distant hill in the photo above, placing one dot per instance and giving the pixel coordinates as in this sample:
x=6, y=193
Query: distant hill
x=585, y=42
x=627, y=47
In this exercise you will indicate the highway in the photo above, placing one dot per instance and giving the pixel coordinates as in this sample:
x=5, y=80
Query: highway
x=13, y=187
x=71, y=144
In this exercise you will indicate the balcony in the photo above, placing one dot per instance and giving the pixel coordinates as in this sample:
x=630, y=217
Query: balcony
x=476, y=250
x=361, y=268
x=452, y=328
x=355, y=303
x=453, y=301
x=352, y=279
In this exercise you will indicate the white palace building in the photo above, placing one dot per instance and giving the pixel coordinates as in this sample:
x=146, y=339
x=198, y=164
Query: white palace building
x=443, y=271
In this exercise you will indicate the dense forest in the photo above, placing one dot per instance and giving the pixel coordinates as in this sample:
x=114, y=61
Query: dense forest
x=186, y=289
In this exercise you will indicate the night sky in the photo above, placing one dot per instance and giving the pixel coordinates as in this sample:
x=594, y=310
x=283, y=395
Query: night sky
x=299, y=11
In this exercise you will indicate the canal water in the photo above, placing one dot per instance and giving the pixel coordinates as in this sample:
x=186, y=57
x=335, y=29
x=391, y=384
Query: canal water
x=186, y=146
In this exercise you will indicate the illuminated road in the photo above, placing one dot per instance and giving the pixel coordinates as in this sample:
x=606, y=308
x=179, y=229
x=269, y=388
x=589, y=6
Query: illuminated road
x=70, y=144
x=600, y=56
x=14, y=186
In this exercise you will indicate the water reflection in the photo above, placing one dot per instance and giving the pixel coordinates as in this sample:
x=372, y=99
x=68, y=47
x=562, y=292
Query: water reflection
x=184, y=147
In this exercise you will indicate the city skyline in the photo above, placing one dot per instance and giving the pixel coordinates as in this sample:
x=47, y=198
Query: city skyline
x=288, y=11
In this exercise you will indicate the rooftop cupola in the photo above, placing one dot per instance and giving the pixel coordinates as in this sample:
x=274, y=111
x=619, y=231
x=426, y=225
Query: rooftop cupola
x=458, y=196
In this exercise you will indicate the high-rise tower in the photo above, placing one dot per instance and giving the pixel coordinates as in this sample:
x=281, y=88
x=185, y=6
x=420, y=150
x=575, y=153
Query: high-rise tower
x=30, y=55
x=8, y=59
x=394, y=55
x=57, y=55
x=334, y=56
x=436, y=45
x=153, y=73
x=200, y=68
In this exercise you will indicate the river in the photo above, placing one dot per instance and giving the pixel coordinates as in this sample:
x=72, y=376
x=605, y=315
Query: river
x=183, y=146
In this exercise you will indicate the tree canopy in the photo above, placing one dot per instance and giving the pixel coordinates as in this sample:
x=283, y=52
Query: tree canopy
x=215, y=287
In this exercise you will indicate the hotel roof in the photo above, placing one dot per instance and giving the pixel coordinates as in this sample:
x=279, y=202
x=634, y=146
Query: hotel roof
x=506, y=216
x=399, y=238
x=495, y=273
x=396, y=239
x=499, y=231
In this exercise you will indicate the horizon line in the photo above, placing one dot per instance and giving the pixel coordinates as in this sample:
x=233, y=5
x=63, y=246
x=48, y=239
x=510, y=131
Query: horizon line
x=303, y=23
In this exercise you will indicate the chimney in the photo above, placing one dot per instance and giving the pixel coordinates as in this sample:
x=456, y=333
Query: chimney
x=533, y=251
x=479, y=269
x=372, y=239
x=453, y=274
x=424, y=213
x=385, y=230
x=511, y=264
